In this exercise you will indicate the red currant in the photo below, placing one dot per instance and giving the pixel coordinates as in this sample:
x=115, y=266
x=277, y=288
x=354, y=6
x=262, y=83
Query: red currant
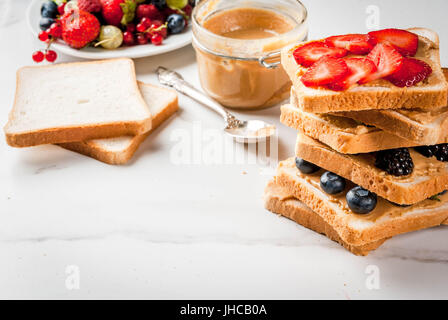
x=43, y=36
x=159, y=28
x=141, y=39
x=61, y=8
x=55, y=30
x=146, y=22
x=130, y=27
x=156, y=39
x=38, y=56
x=128, y=38
x=141, y=27
x=188, y=9
x=51, y=56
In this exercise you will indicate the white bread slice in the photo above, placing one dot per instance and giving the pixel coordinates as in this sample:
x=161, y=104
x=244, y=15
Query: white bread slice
x=277, y=200
x=75, y=102
x=428, y=178
x=342, y=134
x=162, y=104
x=424, y=127
x=379, y=94
x=385, y=221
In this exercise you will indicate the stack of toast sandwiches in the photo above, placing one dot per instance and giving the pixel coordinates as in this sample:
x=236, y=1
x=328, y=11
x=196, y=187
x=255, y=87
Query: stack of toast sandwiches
x=97, y=108
x=371, y=159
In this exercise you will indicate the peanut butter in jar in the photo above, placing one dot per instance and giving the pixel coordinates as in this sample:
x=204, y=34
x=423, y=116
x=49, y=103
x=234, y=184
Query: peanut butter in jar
x=230, y=38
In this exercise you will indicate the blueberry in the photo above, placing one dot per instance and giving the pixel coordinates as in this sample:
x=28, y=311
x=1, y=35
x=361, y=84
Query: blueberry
x=332, y=183
x=305, y=166
x=49, y=9
x=176, y=23
x=361, y=200
x=159, y=3
x=45, y=23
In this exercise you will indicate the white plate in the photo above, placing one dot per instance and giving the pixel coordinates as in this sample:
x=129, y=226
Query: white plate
x=173, y=42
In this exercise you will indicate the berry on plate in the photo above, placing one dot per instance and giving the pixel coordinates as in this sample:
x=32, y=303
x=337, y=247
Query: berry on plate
x=45, y=23
x=325, y=71
x=309, y=53
x=49, y=9
x=149, y=11
x=404, y=41
x=354, y=43
x=89, y=5
x=386, y=59
x=79, y=28
x=359, y=69
x=110, y=37
x=412, y=71
x=116, y=12
x=175, y=23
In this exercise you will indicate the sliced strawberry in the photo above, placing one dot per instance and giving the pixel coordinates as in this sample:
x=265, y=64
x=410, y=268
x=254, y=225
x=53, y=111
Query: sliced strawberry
x=412, y=71
x=354, y=43
x=309, y=53
x=326, y=70
x=386, y=59
x=359, y=68
x=404, y=41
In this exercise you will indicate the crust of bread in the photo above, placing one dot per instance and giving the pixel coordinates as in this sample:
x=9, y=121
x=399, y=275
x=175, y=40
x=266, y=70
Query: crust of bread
x=369, y=98
x=76, y=133
x=394, y=122
x=343, y=222
x=278, y=201
x=363, y=140
x=94, y=150
x=370, y=178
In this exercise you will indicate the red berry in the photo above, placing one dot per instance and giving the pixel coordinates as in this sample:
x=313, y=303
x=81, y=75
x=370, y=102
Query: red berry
x=149, y=11
x=156, y=39
x=326, y=70
x=38, y=56
x=158, y=27
x=141, y=28
x=130, y=27
x=404, y=41
x=146, y=22
x=51, y=56
x=386, y=59
x=43, y=36
x=187, y=10
x=141, y=39
x=128, y=38
x=61, y=8
x=55, y=30
x=355, y=43
x=309, y=53
x=412, y=71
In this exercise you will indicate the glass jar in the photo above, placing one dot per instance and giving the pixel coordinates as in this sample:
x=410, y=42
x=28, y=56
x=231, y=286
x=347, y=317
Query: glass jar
x=237, y=44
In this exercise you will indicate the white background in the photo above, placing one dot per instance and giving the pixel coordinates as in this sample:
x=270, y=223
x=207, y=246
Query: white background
x=153, y=229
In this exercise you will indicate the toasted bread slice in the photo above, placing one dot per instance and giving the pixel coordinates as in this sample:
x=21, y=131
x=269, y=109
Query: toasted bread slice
x=425, y=127
x=343, y=134
x=162, y=103
x=428, y=178
x=378, y=94
x=385, y=221
x=277, y=200
x=76, y=102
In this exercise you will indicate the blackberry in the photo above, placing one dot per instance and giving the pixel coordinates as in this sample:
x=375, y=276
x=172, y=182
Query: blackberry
x=440, y=151
x=397, y=162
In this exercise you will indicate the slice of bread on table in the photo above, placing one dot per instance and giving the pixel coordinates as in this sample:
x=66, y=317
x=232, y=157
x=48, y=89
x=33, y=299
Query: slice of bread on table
x=76, y=102
x=425, y=127
x=278, y=201
x=162, y=103
x=342, y=134
x=428, y=178
x=385, y=221
x=378, y=94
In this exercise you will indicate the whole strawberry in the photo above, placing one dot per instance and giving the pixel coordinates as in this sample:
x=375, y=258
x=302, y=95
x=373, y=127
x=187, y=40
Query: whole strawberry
x=89, y=5
x=116, y=12
x=79, y=28
x=149, y=11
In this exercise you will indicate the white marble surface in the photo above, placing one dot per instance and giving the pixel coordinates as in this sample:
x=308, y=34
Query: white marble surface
x=154, y=229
